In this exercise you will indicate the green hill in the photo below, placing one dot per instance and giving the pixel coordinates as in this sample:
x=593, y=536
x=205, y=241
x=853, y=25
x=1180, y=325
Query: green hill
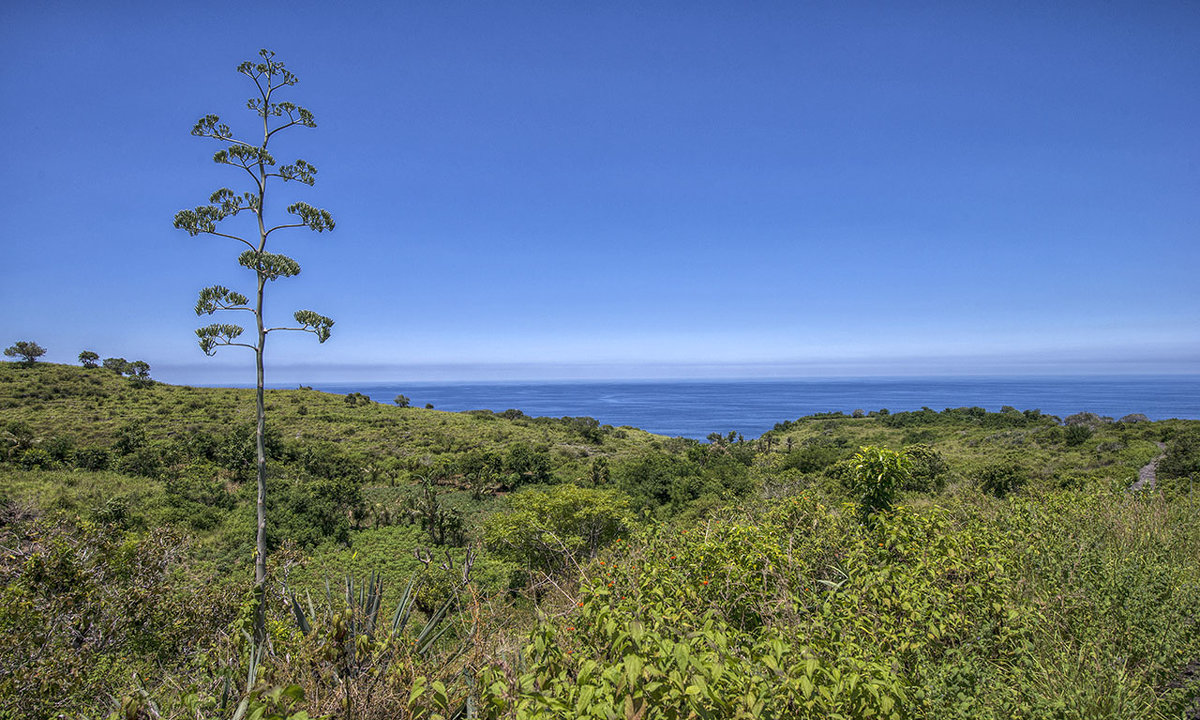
x=561, y=568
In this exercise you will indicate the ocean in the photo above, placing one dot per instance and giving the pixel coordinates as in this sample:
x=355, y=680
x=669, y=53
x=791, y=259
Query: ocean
x=696, y=408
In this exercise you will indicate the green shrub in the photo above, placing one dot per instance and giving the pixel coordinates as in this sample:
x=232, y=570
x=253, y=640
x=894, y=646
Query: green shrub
x=130, y=437
x=237, y=450
x=15, y=437
x=878, y=475
x=60, y=448
x=145, y=460
x=652, y=479
x=793, y=612
x=309, y=510
x=1077, y=434
x=588, y=428
x=83, y=608
x=1182, y=457
x=91, y=458
x=525, y=464
x=554, y=529
x=115, y=511
x=327, y=460
x=1086, y=419
x=36, y=459
x=1002, y=479
x=813, y=458
x=928, y=471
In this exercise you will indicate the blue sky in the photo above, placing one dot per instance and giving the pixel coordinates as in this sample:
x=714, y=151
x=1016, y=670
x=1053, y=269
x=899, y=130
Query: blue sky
x=623, y=189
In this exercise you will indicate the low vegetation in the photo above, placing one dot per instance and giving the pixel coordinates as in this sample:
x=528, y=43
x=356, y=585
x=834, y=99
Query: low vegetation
x=424, y=564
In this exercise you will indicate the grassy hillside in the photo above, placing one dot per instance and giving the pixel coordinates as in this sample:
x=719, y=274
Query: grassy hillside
x=91, y=405
x=560, y=568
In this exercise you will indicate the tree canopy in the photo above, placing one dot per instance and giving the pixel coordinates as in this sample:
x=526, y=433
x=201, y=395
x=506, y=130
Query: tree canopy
x=28, y=350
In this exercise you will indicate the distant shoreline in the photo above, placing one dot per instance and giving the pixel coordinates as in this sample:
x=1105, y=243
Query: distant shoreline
x=696, y=408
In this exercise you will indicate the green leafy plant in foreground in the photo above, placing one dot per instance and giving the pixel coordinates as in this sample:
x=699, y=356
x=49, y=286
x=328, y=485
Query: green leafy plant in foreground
x=1062, y=606
x=361, y=663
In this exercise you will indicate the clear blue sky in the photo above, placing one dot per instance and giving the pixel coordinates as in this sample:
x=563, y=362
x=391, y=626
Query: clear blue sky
x=623, y=189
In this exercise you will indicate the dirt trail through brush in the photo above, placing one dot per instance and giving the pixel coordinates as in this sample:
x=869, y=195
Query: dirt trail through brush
x=1148, y=475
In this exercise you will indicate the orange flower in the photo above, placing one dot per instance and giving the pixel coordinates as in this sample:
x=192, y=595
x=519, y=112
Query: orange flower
x=571, y=629
x=580, y=604
x=703, y=582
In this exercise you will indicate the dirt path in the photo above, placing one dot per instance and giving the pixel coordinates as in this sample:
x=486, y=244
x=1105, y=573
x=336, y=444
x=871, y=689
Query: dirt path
x=1147, y=476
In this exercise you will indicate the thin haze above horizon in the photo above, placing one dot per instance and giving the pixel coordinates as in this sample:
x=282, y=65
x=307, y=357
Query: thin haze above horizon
x=624, y=189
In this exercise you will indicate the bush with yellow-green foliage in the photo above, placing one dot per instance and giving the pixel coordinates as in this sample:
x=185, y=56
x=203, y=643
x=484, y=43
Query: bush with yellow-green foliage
x=799, y=610
x=555, y=529
x=1061, y=606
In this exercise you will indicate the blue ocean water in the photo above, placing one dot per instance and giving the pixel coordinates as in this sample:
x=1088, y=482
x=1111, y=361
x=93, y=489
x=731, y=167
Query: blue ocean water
x=696, y=408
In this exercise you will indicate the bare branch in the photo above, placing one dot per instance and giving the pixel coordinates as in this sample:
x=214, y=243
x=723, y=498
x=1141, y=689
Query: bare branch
x=282, y=127
x=234, y=237
x=283, y=227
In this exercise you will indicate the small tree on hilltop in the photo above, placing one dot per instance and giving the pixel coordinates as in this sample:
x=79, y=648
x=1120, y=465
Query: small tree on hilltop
x=27, y=350
x=269, y=76
x=89, y=359
x=117, y=365
x=139, y=372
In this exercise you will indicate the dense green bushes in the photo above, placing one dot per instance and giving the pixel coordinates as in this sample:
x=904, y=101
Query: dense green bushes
x=1000, y=479
x=667, y=483
x=556, y=529
x=815, y=457
x=1182, y=457
x=82, y=605
x=1066, y=605
x=928, y=469
x=971, y=416
x=797, y=611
